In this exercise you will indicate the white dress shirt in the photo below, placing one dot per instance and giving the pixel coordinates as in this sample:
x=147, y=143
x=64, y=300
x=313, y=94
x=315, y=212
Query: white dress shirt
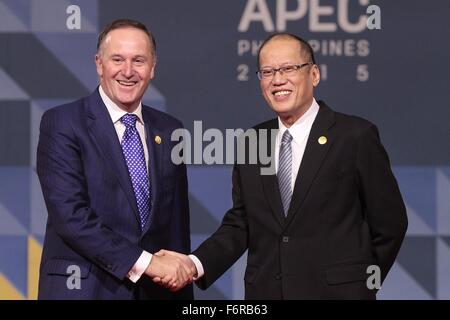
x=300, y=132
x=116, y=114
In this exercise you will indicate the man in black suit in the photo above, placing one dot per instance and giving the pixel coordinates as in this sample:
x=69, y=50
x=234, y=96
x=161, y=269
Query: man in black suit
x=332, y=209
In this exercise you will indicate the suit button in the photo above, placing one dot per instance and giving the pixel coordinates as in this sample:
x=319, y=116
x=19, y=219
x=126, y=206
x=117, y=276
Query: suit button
x=285, y=239
x=278, y=276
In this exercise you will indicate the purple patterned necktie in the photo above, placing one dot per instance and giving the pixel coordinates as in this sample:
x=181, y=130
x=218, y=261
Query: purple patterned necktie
x=135, y=159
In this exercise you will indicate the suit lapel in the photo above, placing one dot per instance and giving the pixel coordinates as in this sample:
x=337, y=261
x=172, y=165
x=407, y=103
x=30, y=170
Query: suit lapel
x=312, y=158
x=102, y=129
x=270, y=182
x=155, y=153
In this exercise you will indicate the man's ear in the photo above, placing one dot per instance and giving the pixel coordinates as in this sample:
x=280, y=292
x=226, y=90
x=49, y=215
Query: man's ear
x=99, y=65
x=315, y=73
x=152, y=70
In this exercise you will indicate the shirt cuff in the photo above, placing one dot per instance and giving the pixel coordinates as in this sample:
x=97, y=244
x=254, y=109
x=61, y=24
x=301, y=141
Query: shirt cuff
x=140, y=266
x=198, y=265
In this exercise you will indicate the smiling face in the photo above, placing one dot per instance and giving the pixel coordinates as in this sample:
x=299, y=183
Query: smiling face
x=291, y=95
x=125, y=64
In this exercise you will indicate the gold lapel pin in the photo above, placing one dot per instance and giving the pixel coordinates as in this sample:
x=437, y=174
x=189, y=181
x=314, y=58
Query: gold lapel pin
x=158, y=139
x=322, y=140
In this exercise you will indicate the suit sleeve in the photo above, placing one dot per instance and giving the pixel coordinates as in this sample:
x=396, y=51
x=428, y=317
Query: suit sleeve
x=220, y=251
x=60, y=171
x=180, y=224
x=381, y=200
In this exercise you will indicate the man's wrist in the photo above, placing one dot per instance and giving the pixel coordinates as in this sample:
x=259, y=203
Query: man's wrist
x=140, y=267
x=198, y=267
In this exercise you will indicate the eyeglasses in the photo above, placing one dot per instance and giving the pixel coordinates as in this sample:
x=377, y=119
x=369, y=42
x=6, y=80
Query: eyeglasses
x=268, y=73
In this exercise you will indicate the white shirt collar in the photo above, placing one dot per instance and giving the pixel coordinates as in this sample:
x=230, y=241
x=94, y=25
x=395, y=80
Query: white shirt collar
x=297, y=130
x=113, y=109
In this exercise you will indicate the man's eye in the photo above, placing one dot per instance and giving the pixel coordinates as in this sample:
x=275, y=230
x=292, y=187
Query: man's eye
x=288, y=69
x=267, y=72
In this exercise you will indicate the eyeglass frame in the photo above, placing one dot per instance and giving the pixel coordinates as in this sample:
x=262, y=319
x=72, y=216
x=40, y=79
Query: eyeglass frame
x=275, y=70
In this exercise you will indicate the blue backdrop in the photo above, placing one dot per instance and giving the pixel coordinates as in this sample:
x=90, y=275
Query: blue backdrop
x=396, y=76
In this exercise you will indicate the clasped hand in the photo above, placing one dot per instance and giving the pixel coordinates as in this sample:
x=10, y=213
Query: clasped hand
x=171, y=270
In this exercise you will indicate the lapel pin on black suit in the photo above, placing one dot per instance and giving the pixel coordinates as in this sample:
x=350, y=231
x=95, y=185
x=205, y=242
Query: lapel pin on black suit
x=322, y=140
x=158, y=139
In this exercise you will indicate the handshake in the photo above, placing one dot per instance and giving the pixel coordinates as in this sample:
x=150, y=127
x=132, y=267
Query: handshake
x=171, y=270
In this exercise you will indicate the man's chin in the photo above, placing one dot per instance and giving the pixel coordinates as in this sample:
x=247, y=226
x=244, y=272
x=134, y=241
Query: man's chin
x=128, y=105
x=282, y=110
x=128, y=99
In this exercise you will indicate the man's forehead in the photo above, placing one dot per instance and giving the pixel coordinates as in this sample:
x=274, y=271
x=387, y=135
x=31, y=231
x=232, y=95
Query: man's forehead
x=281, y=42
x=122, y=34
x=281, y=48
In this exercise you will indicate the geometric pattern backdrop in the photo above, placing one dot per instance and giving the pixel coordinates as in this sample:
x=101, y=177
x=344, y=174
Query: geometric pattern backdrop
x=40, y=69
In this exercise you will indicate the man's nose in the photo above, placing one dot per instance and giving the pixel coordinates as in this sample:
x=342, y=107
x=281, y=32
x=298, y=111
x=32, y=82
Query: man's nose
x=278, y=78
x=127, y=69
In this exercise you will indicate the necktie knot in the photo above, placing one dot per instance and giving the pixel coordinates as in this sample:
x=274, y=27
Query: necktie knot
x=129, y=120
x=287, y=138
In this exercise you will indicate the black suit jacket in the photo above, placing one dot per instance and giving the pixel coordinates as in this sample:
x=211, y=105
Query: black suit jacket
x=346, y=213
x=93, y=220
